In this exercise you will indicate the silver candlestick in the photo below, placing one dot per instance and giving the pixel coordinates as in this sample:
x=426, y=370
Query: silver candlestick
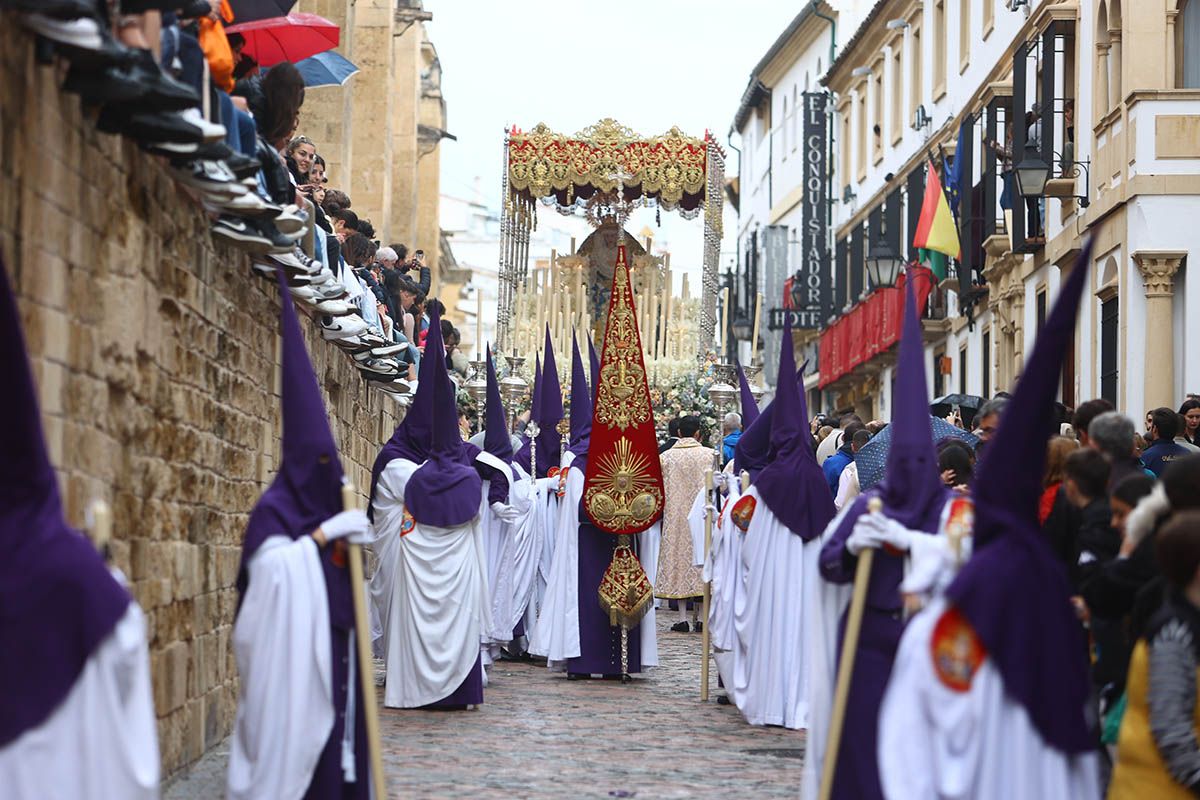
x=513, y=388
x=477, y=388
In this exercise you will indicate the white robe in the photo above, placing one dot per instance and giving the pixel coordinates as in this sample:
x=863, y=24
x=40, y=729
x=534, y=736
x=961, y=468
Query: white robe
x=772, y=621
x=527, y=533
x=725, y=571
x=498, y=544
x=435, y=609
x=935, y=742
x=556, y=634
x=281, y=640
x=101, y=741
x=826, y=603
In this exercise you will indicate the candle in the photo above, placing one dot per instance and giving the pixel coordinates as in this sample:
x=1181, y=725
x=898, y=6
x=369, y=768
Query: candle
x=754, y=340
x=724, y=319
x=479, y=323
x=572, y=245
x=686, y=294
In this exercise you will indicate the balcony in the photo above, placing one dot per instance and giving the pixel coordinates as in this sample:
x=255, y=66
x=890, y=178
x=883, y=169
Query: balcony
x=863, y=336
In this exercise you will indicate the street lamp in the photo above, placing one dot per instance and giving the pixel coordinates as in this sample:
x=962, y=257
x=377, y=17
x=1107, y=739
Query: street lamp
x=883, y=265
x=742, y=328
x=1032, y=174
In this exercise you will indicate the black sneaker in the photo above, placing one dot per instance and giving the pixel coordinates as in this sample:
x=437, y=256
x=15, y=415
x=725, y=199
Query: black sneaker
x=210, y=177
x=243, y=166
x=680, y=627
x=280, y=244
x=243, y=234
x=697, y=627
x=163, y=93
x=113, y=84
x=149, y=126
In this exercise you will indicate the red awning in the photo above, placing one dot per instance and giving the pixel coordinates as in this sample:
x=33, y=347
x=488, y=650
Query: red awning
x=870, y=328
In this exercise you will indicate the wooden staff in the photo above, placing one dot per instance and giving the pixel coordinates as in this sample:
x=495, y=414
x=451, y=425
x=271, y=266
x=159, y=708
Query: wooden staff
x=100, y=530
x=366, y=664
x=745, y=481
x=706, y=635
x=841, y=692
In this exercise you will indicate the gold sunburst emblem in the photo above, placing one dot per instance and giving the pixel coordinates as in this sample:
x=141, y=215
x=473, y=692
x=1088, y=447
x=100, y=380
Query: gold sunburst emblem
x=624, y=492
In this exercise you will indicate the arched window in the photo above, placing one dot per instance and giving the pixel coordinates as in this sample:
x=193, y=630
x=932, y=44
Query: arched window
x=1187, y=45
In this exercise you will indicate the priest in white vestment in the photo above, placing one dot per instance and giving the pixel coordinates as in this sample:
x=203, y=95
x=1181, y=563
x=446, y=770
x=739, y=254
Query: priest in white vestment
x=76, y=708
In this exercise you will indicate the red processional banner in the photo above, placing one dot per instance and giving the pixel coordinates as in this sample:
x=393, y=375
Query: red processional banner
x=623, y=488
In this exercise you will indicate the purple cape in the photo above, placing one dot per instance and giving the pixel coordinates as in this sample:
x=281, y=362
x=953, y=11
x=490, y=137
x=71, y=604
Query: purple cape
x=792, y=484
x=581, y=406
x=1014, y=591
x=446, y=490
x=57, y=598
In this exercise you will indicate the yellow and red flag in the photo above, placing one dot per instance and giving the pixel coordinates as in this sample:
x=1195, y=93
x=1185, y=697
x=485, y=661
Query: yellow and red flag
x=936, y=230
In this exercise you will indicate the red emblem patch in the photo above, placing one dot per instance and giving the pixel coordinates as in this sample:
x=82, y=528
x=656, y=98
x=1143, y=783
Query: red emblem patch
x=553, y=472
x=956, y=650
x=407, y=523
x=743, y=512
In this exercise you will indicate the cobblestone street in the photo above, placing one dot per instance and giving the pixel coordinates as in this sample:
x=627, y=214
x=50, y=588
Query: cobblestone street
x=539, y=735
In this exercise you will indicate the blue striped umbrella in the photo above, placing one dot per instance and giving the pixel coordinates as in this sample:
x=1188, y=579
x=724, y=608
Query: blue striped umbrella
x=872, y=458
x=326, y=69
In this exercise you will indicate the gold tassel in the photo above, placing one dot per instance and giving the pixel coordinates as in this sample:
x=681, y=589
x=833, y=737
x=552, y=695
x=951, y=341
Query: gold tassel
x=625, y=590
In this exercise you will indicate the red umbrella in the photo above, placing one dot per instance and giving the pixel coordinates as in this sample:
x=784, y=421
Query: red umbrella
x=292, y=38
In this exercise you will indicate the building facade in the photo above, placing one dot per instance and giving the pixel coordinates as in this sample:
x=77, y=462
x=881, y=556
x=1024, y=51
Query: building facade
x=1048, y=90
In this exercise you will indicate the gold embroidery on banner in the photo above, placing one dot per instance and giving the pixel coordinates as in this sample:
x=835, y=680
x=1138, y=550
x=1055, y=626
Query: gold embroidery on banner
x=623, y=399
x=669, y=166
x=625, y=590
x=624, y=493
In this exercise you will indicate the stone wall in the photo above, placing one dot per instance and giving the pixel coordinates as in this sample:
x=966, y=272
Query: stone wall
x=156, y=357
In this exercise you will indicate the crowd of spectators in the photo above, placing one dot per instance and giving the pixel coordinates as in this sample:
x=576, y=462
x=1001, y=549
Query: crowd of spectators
x=167, y=75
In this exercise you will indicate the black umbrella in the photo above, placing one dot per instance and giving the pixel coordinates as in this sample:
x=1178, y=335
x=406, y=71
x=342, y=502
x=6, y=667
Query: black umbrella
x=251, y=10
x=960, y=400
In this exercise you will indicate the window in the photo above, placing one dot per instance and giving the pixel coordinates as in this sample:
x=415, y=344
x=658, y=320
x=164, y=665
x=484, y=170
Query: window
x=989, y=17
x=877, y=112
x=1108, y=56
x=985, y=360
x=1041, y=308
x=1187, y=45
x=1110, y=314
x=845, y=145
x=964, y=34
x=962, y=369
x=916, y=91
x=783, y=130
x=898, y=91
x=862, y=132
x=939, y=49
x=796, y=114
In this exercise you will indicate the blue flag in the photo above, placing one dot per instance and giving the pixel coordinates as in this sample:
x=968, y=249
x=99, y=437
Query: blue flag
x=956, y=173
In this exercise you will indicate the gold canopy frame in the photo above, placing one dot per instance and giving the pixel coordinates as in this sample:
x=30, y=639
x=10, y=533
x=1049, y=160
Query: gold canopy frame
x=676, y=171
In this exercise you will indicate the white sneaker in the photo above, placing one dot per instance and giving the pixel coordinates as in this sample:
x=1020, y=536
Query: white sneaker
x=247, y=204
x=334, y=308
x=291, y=220
x=301, y=293
x=83, y=33
x=343, y=327
x=210, y=130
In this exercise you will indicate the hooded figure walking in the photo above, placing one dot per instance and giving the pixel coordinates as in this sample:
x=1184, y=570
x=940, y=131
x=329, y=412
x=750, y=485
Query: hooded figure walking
x=300, y=730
